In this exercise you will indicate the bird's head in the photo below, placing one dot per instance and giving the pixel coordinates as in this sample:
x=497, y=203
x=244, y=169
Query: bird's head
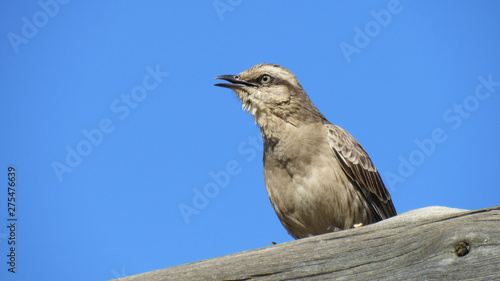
x=271, y=91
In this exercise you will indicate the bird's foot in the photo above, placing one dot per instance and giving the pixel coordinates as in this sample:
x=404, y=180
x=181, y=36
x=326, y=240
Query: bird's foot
x=358, y=225
x=332, y=228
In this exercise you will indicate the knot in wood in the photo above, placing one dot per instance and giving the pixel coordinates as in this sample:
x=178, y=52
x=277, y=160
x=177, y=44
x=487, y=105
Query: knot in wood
x=462, y=248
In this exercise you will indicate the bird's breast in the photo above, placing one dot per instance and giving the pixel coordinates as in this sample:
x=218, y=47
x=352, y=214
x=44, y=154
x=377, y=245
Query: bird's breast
x=308, y=188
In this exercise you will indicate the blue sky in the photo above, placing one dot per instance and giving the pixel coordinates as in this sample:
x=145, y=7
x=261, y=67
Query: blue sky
x=111, y=120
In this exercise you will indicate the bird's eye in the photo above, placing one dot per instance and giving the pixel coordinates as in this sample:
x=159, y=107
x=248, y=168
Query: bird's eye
x=265, y=79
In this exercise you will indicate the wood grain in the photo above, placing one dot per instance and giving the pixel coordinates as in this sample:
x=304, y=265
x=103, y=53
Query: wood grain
x=424, y=244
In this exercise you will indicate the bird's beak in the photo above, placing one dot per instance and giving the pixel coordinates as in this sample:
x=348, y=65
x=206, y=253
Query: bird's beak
x=235, y=80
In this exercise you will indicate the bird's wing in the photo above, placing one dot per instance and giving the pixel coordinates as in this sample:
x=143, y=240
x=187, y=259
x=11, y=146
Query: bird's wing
x=359, y=168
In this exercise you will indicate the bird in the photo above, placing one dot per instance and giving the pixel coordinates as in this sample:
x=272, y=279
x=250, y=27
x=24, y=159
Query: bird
x=318, y=177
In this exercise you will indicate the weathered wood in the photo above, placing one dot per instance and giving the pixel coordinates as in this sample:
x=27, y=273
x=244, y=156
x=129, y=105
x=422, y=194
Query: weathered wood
x=430, y=243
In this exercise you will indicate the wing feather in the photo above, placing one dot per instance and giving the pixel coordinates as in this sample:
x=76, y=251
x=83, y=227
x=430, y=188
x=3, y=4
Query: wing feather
x=360, y=169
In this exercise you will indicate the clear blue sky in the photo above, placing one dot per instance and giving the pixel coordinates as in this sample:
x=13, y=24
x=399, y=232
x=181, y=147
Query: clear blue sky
x=111, y=120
